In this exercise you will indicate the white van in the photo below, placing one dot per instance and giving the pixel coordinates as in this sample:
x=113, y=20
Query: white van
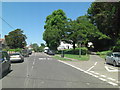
x=46, y=49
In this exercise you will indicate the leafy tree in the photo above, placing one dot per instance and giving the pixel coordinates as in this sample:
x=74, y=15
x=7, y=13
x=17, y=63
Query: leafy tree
x=106, y=16
x=16, y=39
x=81, y=30
x=35, y=47
x=54, y=28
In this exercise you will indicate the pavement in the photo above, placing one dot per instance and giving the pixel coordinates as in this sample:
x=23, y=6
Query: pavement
x=42, y=71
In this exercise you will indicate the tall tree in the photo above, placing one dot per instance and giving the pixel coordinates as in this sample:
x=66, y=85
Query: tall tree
x=16, y=39
x=54, y=28
x=106, y=16
x=81, y=30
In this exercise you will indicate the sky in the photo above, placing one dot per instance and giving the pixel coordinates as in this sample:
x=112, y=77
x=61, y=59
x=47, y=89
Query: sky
x=30, y=16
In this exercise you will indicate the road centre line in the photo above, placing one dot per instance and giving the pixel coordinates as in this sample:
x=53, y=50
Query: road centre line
x=114, y=84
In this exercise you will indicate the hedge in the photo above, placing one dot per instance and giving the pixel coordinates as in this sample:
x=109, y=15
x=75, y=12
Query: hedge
x=84, y=51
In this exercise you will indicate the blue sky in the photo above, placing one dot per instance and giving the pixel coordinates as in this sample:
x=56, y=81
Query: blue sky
x=30, y=16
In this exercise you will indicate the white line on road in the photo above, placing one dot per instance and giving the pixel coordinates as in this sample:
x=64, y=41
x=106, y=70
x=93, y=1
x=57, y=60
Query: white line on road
x=111, y=79
x=114, y=84
x=90, y=68
x=95, y=63
x=103, y=76
x=102, y=79
x=113, y=70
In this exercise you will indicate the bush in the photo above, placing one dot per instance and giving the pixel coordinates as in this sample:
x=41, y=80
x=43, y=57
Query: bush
x=103, y=52
x=15, y=50
x=84, y=51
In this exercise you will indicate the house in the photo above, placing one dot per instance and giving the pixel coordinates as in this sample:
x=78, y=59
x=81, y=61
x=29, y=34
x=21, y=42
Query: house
x=64, y=45
x=2, y=43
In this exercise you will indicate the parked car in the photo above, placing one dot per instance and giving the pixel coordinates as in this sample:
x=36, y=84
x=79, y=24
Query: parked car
x=25, y=53
x=51, y=52
x=30, y=52
x=5, y=64
x=16, y=57
x=113, y=58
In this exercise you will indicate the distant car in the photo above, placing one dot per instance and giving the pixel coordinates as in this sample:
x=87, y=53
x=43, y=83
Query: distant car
x=16, y=57
x=25, y=53
x=30, y=52
x=5, y=64
x=51, y=52
x=113, y=58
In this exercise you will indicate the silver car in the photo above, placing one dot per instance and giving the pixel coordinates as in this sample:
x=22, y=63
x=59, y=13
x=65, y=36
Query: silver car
x=16, y=57
x=5, y=65
x=113, y=58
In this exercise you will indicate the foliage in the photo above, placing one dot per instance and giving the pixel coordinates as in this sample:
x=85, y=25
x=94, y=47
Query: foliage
x=54, y=27
x=75, y=51
x=35, y=47
x=105, y=15
x=16, y=39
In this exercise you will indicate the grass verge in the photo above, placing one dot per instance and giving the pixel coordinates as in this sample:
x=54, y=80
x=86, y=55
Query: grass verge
x=81, y=58
x=60, y=58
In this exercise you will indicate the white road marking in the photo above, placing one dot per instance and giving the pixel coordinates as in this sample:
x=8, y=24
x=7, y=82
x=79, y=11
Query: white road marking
x=90, y=68
x=113, y=70
x=32, y=67
x=111, y=79
x=102, y=79
x=114, y=84
x=102, y=75
x=95, y=63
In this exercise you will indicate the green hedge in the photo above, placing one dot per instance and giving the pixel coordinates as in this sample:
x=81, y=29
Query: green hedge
x=15, y=50
x=84, y=51
x=103, y=52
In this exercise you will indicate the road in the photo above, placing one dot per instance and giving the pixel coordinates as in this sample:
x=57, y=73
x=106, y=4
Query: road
x=41, y=71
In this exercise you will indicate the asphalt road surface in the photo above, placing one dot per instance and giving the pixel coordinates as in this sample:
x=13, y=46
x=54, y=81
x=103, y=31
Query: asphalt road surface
x=42, y=71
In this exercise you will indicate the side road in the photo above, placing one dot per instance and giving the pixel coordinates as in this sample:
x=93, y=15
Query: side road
x=98, y=68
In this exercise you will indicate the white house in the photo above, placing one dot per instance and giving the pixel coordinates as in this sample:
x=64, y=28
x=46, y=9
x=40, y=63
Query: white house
x=64, y=45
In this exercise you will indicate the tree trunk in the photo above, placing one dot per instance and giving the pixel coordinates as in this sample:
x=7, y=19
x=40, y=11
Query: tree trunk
x=73, y=44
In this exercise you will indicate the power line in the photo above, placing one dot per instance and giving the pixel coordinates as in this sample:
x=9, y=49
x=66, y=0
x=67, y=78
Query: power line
x=7, y=23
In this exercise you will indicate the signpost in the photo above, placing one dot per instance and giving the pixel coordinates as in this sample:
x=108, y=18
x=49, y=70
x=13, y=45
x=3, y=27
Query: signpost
x=62, y=53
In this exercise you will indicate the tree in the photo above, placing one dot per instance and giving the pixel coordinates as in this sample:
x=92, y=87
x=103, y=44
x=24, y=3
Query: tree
x=16, y=39
x=82, y=29
x=106, y=16
x=54, y=28
x=35, y=47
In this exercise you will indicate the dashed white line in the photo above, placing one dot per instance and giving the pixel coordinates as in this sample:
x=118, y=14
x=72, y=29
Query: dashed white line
x=114, y=84
x=111, y=79
x=103, y=76
x=32, y=67
x=102, y=79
